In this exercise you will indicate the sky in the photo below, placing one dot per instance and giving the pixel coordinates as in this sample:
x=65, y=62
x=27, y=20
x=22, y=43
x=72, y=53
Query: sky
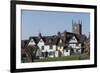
x=50, y=22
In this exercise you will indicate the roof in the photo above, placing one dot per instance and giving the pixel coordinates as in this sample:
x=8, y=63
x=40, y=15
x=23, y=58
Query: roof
x=55, y=39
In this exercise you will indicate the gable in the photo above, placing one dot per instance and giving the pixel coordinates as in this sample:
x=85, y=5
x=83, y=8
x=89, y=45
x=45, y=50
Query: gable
x=32, y=42
x=73, y=40
x=41, y=42
x=60, y=41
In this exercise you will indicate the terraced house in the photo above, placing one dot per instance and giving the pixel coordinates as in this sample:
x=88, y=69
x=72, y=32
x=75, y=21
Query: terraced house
x=60, y=44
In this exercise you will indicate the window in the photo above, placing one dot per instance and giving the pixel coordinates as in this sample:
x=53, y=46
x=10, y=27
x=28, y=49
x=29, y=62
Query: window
x=42, y=47
x=77, y=50
x=66, y=50
x=77, y=44
x=43, y=54
x=50, y=53
x=51, y=46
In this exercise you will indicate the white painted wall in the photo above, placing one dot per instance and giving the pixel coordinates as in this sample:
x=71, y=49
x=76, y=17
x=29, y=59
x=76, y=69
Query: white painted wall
x=79, y=46
x=32, y=42
x=47, y=47
x=72, y=45
x=40, y=44
x=66, y=53
x=80, y=50
x=73, y=40
x=56, y=54
x=75, y=47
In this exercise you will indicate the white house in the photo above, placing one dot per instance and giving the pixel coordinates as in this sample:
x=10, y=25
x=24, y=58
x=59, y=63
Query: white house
x=66, y=52
x=75, y=45
x=46, y=48
x=55, y=46
x=41, y=44
x=51, y=49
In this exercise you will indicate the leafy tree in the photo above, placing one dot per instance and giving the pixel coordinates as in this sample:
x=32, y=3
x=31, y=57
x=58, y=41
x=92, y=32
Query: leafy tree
x=31, y=51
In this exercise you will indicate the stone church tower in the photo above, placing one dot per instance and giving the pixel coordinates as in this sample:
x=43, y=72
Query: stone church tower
x=77, y=27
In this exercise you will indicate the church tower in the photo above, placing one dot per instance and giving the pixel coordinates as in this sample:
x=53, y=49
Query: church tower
x=77, y=27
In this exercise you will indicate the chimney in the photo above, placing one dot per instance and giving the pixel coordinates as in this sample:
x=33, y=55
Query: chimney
x=40, y=35
x=59, y=34
x=65, y=35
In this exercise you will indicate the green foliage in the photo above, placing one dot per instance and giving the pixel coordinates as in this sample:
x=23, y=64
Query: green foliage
x=64, y=58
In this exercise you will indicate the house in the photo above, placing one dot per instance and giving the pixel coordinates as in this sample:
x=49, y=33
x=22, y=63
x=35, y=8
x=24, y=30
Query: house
x=58, y=45
x=63, y=44
x=46, y=45
x=75, y=45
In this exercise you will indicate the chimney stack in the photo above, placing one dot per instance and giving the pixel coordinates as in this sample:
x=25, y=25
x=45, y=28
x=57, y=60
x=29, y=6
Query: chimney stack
x=40, y=35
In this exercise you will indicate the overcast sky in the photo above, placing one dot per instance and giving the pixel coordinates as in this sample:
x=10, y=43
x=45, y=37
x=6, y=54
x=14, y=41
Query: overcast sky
x=49, y=23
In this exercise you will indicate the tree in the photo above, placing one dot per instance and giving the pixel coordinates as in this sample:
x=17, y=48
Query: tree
x=87, y=46
x=31, y=51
